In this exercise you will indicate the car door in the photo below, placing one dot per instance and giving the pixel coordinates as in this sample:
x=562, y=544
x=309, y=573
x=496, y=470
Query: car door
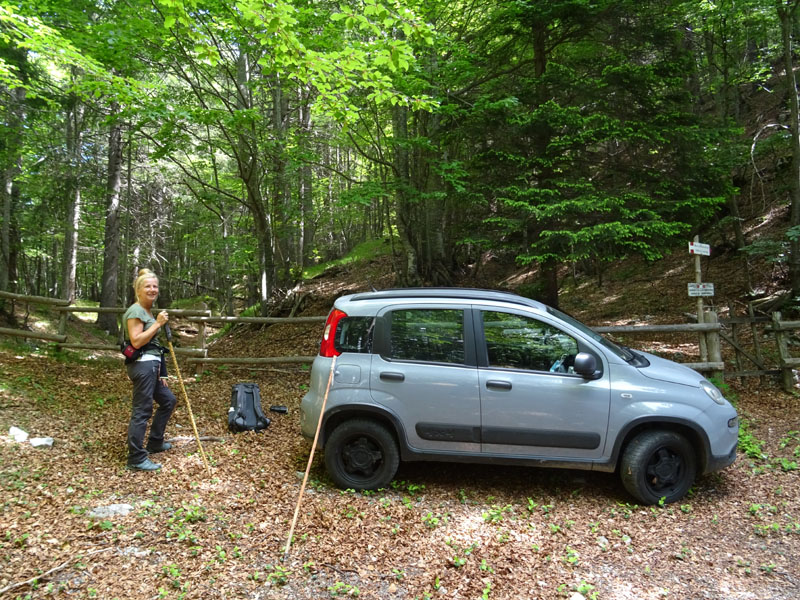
x=531, y=404
x=423, y=370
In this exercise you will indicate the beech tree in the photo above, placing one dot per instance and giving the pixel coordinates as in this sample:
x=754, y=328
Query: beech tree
x=230, y=143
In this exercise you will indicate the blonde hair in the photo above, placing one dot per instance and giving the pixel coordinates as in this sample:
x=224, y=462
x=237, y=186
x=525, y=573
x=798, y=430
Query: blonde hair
x=144, y=275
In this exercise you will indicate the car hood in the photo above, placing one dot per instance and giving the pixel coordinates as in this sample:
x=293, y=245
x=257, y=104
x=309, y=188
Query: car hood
x=662, y=369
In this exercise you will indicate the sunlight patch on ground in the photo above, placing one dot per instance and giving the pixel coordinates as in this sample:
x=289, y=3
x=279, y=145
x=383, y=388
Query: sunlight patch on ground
x=777, y=213
x=86, y=317
x=620, y=322
x=673, y=351
x=677, y=270
x=42, y=325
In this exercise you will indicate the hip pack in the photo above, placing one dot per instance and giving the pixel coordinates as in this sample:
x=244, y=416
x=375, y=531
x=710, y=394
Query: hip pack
x=132, y=354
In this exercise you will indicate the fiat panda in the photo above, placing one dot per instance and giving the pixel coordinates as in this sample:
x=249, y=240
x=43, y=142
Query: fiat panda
x=483, y=376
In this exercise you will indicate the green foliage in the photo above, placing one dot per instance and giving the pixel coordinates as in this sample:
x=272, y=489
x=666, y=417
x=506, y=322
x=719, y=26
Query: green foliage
x=359, y=254
x=267, y=141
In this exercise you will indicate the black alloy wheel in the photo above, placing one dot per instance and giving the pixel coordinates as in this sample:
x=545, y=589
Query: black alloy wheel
x=658, y=465
x=361, y=455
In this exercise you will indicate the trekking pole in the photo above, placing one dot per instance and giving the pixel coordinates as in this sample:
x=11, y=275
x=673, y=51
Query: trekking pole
x=310, y=460
x=186, y=396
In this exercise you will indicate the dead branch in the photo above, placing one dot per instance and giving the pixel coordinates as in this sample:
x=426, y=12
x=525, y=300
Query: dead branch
x=60, y=567
x=203, y=438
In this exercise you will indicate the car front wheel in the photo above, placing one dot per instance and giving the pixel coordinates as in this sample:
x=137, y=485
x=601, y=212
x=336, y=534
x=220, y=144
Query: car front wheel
x=361, y=455
x=658, y=464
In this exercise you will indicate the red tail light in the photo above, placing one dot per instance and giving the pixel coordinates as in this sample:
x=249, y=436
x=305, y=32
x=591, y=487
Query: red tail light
x=328, y=346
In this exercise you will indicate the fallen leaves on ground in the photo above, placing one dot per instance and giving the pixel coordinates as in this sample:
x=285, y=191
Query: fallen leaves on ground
x=440, y=531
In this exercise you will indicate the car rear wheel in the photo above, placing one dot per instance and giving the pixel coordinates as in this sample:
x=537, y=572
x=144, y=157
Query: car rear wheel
x=658, y=464
x=361, y=455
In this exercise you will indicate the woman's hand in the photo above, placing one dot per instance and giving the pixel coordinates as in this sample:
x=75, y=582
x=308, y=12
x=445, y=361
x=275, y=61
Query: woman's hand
x=162, y=318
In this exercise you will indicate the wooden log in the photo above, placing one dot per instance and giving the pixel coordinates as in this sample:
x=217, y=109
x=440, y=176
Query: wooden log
x=741, y=351
x=787, y=376
x=754, y=333
x=79, y=346
x=254, y=361
x=714, y=346
x=190, y=314
x=744, y=320
x=758, y=373
x=734, y=341
x=784, y=325
x=677, y=328
x=258, y=320
x=35, y=299
x=91, y=309
x=51, y=337
x=705, y=366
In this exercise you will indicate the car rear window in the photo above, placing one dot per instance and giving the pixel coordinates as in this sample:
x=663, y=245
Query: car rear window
x=431, y=335
x=354, y=334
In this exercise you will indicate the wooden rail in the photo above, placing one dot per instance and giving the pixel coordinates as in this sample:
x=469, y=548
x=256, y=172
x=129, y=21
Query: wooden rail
x=713, y=331
x=710, y=331
x=34, y=299
x=257, y=320
x=199, y=356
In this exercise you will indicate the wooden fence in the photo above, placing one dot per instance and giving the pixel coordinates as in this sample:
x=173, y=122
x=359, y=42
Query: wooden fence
x=197, y=356
x=742, y=340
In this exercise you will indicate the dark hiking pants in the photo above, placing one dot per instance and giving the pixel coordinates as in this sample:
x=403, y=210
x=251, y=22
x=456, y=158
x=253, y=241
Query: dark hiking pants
x=146, y=389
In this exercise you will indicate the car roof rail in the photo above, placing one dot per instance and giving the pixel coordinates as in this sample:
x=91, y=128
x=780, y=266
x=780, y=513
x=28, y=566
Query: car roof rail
x=447, y=292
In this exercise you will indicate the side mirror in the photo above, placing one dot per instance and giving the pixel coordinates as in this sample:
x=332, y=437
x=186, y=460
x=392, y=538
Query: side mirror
x=585, y=365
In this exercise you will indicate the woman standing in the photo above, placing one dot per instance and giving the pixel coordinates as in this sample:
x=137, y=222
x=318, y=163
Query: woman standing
x=146, y=375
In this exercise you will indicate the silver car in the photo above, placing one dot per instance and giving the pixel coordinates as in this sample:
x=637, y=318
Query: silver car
x=466, y=375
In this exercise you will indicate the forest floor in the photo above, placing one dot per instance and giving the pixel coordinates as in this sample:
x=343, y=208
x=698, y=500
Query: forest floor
x=470, y=532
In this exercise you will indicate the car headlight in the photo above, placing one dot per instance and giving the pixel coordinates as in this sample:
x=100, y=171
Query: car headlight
x=713, y=392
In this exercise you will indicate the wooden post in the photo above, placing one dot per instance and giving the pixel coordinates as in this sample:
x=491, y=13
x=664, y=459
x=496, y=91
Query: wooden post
x=787, y=374
x=698, y=278
x=714, y=345
x=198, y=369
x=735, y=338
x=756, y=340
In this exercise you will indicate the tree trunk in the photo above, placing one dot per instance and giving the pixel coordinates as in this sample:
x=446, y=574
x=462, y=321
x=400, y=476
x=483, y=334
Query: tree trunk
x=405, y=213
x=109, y=295
x=10, y=170
x=250, y=172
x=307, y=218
x=280, y=196
x=74, y=140
x=786, y=13
x=548, y=268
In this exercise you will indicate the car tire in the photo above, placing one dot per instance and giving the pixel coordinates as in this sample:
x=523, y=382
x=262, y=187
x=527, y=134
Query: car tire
x=656, y=465
x=361, y=455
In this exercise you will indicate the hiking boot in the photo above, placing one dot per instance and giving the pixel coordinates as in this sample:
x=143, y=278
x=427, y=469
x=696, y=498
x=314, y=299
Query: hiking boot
x=145, y=465
x=156, y=449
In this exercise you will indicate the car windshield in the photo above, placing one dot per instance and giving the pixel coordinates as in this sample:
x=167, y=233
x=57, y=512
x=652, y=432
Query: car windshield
x=622, y=352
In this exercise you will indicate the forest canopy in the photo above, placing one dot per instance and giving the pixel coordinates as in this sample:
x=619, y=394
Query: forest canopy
x=232, y=144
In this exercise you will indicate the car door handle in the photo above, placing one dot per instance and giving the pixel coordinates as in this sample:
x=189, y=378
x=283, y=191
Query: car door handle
x=494, y=384
x=389, y=376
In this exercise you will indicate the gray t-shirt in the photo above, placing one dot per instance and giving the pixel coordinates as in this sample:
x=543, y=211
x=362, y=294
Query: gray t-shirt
x=137, y=311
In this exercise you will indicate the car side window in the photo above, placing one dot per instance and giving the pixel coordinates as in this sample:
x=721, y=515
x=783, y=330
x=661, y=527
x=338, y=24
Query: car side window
x=354, y=334
x=518, y=342
x=431, y=335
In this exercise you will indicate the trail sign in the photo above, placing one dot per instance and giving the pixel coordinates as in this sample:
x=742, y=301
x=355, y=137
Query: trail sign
x=701, y=289
x=698, y=248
